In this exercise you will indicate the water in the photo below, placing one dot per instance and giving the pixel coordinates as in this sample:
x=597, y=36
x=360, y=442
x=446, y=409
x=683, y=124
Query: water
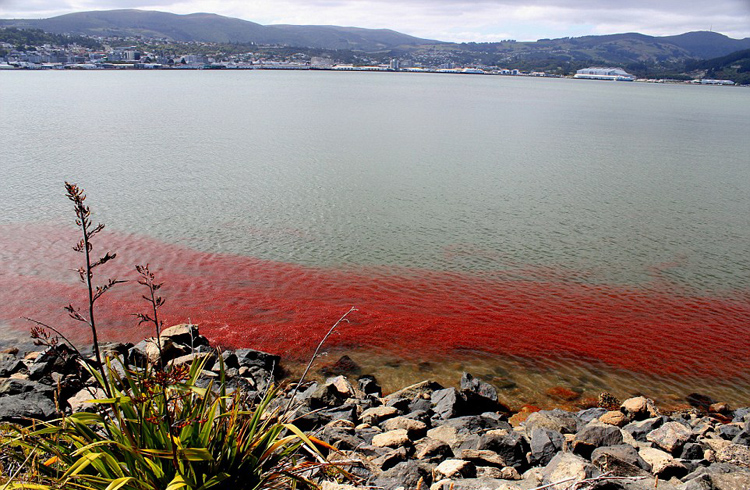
x=558, y=232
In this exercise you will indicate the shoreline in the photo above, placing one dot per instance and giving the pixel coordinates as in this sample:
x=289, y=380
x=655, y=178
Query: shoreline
x=460, y=437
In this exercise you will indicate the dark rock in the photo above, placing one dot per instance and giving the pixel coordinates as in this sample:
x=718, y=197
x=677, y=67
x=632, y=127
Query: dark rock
x=406, y=475
x=432, y=450
x=480, y=396
x=369, y=385
x=344, y=366
x=640, y=429
x=512, y=448
x=23, y=407
x=729, y=431
x=11, y=366
x=250, y=357
x=400, y=403
x=622, y=460
x=586, y=416
x=341, y=438
x=544, y=444
x=594, y=436
x=718, y=476
x=742, y=438
x=13, y=386
x=702, y=402
x=391, y=458
x=447, y=403
x=230, y=360
x=368, y=433
x=741, y=414
x=692, y=451
x=420, y=405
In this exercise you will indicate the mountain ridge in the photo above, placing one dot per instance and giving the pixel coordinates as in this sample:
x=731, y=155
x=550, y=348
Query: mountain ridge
x=622, y=48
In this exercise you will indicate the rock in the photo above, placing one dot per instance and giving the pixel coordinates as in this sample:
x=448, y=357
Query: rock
x=670, y=437
x=586, y=416
x=608, y=401
x=742, y=438
x=718, y=477
x=429, y=449
x=15, y=386
x=564, y=466
x=147, y=351
x=375, y=415
x=369, y=385
x=735, y=454
x=663, y=465
x=729, y=431
x=447, y=403
x=344, y=366
x=392, y=438
x=329, y=485
x=557, y=420
x=391, y=458
x=512, y=447
x=81, y=401
x=251, y=357
x=702, y=402
x=415, y=428
x=721, y=408
x=640, y=429
x=594, y=436
x=413, y=391
x=482, y=457
x=455, y=468
x=11, y=365
x=621, y=460
x=188, y=359
x=544, y=444
x=639, y=408
x=614, y=417
x=741, y=414
x=692, y=451
x=405, y=475
x=509, y=473
x=24, y=407
x=480, y=396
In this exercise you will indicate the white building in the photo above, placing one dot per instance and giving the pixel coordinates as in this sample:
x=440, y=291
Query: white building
x=596, y=73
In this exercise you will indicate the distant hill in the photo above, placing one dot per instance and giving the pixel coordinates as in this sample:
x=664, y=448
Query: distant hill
x=635, y=51
x=734, y=66
x=215, y=28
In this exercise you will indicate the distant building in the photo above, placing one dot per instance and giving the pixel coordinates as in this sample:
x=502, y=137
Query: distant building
x=596, y=73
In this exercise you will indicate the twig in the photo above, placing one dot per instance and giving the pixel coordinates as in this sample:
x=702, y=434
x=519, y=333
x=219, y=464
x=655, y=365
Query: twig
x=315, y=356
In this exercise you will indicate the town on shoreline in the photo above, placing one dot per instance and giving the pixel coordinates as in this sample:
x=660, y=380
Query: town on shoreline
x=77, y=57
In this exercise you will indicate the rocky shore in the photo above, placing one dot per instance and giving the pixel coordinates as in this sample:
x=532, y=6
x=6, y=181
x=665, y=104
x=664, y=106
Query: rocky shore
x=430, y=436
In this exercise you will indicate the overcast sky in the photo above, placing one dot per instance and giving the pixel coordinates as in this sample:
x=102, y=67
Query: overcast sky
x=447, y=20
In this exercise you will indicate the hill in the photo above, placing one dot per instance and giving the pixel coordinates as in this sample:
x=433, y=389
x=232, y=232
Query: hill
x=734, y=66
x=214, y=28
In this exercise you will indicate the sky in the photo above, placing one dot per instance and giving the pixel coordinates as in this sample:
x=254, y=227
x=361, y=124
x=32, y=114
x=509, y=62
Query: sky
x=447, y=20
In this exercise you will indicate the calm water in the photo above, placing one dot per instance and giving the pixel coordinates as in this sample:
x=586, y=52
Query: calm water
x=556, y=232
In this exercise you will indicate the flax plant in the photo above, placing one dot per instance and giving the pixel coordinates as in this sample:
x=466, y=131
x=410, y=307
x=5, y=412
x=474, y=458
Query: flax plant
x=161, y=427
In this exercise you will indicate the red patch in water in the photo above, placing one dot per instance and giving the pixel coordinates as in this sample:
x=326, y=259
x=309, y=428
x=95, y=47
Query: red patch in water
x=418, y=314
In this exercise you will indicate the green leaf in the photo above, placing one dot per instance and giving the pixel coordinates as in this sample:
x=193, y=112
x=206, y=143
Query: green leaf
x=119, y=483
x=177, y=483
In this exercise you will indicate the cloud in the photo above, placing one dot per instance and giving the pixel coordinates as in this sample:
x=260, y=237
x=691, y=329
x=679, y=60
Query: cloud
x=451, y=20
